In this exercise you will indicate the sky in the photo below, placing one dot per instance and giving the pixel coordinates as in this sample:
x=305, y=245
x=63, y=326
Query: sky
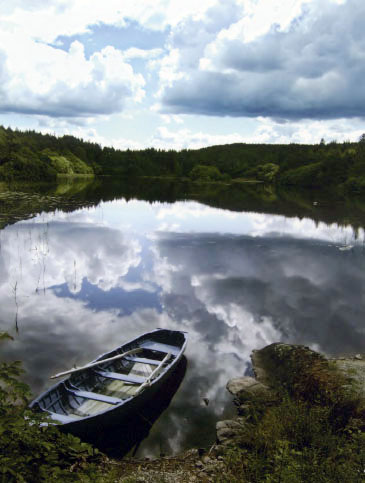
x=172, y=75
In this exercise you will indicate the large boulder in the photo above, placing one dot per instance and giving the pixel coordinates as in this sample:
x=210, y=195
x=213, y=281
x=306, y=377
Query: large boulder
x=279, y=363
x=309, y=375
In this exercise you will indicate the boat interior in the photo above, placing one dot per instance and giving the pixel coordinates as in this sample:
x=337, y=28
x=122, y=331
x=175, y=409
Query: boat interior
x=108, y=384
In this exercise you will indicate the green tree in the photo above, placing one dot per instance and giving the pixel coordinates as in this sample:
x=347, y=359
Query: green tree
x=205, y=173
x=267, y=172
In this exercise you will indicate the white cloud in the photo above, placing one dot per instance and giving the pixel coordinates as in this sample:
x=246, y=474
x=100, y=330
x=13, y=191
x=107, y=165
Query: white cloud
x=260, y=16
x=286, y=60
x=171, y=137
x=88, y=133
x=40, y=79
x=272, y=61
x=266, y=131
x=134, y=53
x=305, y=131
x=185, y=138
x=47, y=21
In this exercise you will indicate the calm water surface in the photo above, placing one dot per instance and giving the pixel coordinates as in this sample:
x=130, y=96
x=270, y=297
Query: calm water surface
x=76, y=284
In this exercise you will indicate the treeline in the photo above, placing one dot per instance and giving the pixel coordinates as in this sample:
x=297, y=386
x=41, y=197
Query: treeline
x=34, y=156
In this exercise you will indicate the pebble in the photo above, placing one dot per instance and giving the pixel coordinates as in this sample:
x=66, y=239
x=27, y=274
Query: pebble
x=358, y=357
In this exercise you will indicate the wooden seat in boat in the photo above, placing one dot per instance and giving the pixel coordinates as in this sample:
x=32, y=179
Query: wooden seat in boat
x=157, y=346
x=95, y=396
x=121, y=377
x=143, y=360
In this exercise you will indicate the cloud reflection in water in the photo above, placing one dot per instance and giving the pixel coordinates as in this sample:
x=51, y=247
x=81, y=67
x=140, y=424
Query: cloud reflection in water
x=89, y=280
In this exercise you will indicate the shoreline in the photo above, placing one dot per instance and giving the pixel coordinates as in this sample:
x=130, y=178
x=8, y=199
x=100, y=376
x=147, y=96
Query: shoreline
x=275, y=367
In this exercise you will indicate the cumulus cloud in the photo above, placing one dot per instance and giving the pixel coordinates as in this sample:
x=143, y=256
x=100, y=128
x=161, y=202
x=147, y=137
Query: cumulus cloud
x=39, y=79
x=285, y=60
x=305, y=131
x=165, y=138
x=266, y=130
x=309, y=69
x=47, y=21
x=135, y=53
x=83, y=128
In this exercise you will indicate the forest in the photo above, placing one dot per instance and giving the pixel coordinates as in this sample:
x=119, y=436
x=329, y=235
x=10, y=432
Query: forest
x=33, y=156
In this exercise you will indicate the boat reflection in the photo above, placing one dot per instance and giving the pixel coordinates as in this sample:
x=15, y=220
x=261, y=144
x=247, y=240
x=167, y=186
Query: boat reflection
x=126, y=438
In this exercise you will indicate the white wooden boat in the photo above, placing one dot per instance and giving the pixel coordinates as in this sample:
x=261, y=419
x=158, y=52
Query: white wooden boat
x=115, y=385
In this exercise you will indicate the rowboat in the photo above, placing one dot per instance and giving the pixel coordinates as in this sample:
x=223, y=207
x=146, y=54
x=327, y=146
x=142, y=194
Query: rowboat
x=115, y=385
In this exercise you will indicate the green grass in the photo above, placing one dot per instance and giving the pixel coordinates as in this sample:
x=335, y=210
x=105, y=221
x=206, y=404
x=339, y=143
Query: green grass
x=297, y=442
x=315, y=433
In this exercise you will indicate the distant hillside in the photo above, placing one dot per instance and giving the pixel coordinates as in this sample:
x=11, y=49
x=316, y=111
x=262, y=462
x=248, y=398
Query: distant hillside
x=34, y=156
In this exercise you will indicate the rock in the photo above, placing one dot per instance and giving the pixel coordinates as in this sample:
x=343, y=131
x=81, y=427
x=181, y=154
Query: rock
x=230, y=423
x=206, y=460
x=354, y=371
x=238, y=384
x=228, y=430
x=248, y=388
x=274, y=363
x=282, y=365
x=199, y=464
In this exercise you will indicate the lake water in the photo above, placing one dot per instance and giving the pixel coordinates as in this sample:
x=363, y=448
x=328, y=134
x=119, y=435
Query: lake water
x=81, y=277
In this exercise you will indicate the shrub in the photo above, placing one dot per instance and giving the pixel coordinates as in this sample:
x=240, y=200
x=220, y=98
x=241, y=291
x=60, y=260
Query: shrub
x=205, y=173
x=67, y=163
x=29, y=452
x=309, y=175
x=267, y=172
